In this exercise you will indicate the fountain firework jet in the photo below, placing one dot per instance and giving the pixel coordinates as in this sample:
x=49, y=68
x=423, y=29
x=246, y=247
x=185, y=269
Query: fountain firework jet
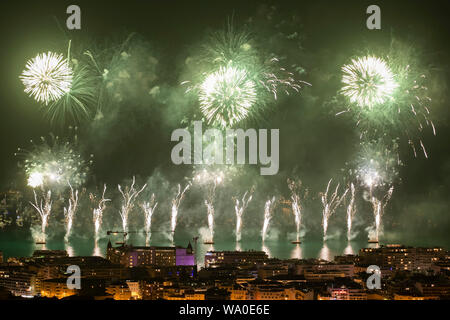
x=149, y=208
x=97, y=211
x=44, y=208
x=297, y=252
x=239, y=209
x=212, y=179
x=210, y=210
x=70, y=250
x=349, y=249
x=378, y=210
x=70, y=211
x=129, y=196
x=175, y=205
x=295, y=187
x=351, y=211
x=268, y=210
x=266, y=249
x=325, y=253
x=97, y=252
x=330, y=205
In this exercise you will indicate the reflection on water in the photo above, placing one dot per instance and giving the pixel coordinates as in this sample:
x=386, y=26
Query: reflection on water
x=70, y=250
x=97, y=251
x=297, y=252
x=282, y=249
x=373, y=245
x=325, y=253
x=39, y=246
x=266, y=249
x=348, y=249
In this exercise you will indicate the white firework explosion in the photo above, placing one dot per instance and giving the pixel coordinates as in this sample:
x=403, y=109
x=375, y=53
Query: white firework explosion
x=227, y=95
x=368, y=81
x=47, y=77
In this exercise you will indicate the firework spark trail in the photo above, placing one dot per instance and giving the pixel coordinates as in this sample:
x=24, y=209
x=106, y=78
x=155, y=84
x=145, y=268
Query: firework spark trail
x=97, y=211
x=149, y=208
x=351, y=211
x=378, y=210
x=268, y=210
x=175, y=205
x=129, y=196
x=69, y=212
x=330, y=205
x=97, y=251
x=44, y=208
x=47, y=77
x=297, y=207
x=239, y=209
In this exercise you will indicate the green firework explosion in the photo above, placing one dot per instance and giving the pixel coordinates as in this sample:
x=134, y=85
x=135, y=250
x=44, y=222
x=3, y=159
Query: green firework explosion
x=368, y=82
x=227, y=96
x=235, y=80
x=54, y=165
x=390, y=94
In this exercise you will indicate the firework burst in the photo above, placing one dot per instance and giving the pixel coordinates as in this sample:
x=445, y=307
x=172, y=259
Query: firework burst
x=390, y=94
x=47, y=77
x=227, y=96
x=235, y=81
x=54, y=164
x=80, y=101
x=368, y=82
x=377, y=163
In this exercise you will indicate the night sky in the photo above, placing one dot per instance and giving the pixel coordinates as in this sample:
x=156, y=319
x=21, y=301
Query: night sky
x=133, y=138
